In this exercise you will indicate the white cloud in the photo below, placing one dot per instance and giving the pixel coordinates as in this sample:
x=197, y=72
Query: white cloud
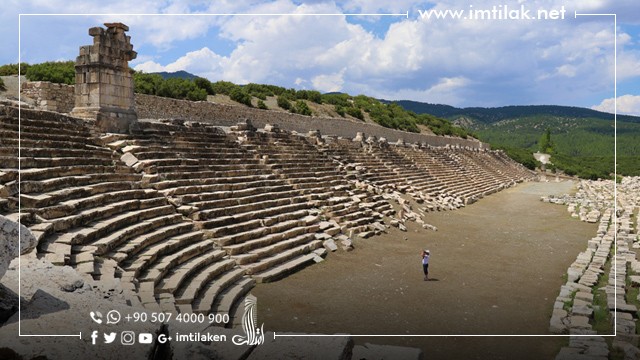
x=458, y=62
x=203, y=62
x=149, y=67
x=444, y=91
x=566, y=70
x=627, y=104
x=329, y=83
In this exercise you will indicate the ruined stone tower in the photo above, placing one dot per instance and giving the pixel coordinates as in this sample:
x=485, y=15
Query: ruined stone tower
x=104, y=85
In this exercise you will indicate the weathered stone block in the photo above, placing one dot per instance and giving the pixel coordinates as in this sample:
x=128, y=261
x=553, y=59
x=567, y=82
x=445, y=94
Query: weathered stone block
x=13, y=237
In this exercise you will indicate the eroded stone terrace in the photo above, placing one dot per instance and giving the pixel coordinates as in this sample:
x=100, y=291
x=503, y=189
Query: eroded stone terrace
x=600, y=296
x=188, y=216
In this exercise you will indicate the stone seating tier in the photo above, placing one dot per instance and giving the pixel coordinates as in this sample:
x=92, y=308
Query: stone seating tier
x=190, y=217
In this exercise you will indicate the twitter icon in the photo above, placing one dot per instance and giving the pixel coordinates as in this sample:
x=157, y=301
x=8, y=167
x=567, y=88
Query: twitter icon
x=109, y=338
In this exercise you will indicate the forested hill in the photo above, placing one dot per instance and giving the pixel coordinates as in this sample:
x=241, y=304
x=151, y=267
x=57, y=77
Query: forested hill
x=177, y=74
x=491, y=115
x=583, y=139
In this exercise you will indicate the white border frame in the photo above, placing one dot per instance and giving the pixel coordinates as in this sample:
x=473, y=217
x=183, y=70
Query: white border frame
x=406, y=15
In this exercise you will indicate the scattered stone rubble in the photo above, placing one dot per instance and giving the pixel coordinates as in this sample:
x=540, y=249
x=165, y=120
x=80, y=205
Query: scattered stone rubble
x=612, y=246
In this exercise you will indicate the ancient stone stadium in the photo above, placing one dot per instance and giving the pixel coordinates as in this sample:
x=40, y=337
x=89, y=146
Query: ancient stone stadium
x=148, y=205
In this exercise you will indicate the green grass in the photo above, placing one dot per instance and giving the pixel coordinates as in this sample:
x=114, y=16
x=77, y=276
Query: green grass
x=601, y=322
x=568, y=304
x=583, y=146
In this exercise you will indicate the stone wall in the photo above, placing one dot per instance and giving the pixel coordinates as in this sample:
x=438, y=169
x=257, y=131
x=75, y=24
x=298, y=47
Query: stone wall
x=155, y=107
x=50, y=96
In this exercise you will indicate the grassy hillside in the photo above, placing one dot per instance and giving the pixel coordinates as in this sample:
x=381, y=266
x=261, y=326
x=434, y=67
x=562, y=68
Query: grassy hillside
x=492, y=115
x=184, y=85
x=583, y=138
x=583, y=146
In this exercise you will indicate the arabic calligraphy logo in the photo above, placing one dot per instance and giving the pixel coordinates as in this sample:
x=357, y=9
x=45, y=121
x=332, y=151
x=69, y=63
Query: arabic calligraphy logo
x=253, y=335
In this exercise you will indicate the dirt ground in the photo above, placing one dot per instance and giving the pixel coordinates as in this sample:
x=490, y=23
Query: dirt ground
x=496, y=268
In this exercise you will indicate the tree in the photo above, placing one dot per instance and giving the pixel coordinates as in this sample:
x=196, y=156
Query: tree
x=301, y=108
x=545, y=144
x=262, y=105
x=12, y=69
x=239, y=95
x=355, y=112
x=223, y=87
x=2, y=87
x=146, y=83
x=283, y=103
x=197, y=94
x=204, y=84
x=179, y=88
x=54, y=71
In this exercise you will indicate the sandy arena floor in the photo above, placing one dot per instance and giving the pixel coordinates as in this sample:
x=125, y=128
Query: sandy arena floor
x=496, y=268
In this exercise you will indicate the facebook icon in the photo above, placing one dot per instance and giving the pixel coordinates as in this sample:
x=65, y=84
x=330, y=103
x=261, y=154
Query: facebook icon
x=94, y=336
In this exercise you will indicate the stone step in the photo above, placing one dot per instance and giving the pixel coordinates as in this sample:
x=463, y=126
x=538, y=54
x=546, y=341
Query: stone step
x=138, y=244
x=92, y=230
x=266, y=216
x=26, y=120
x=47, y=162
x=231, y=297
x=196, y=285
x=205, y=164
x=219, y=154
x=268, y=239
x=262, y=210
x=235, y=228
x=184, y=187
x=74, y=170
x=213, y=289
x=179, y=133
x=60, y=182
x=239, y=200
x=38, y=134
x=134, y=231
x=212, y=177
x=270, y=245
x=280, y=253
x=27, y=143
x=314, y=184
x=27, y=126
x=119, y=211
x=63, y=203
x=215, y=156
x=285, y=269
x=198, y=167
x=243, y=194
x=243, y=239
x=156, y=266
x=42, y=152
x=181, y=273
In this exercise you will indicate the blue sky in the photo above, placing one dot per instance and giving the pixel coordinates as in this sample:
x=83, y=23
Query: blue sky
x=450, y=61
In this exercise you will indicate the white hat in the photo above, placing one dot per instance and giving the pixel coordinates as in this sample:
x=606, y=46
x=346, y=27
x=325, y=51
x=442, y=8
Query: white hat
x=427, y=251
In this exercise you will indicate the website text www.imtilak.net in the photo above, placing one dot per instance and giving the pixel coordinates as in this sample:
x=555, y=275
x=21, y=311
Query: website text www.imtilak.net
x=496, y=12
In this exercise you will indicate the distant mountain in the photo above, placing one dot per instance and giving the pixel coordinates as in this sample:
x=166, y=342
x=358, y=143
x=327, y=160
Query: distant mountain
x=177, y=74
x=491, y=115
x=583, y=138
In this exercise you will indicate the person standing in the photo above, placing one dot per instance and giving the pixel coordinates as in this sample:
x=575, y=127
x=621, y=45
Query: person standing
x=425, y=264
